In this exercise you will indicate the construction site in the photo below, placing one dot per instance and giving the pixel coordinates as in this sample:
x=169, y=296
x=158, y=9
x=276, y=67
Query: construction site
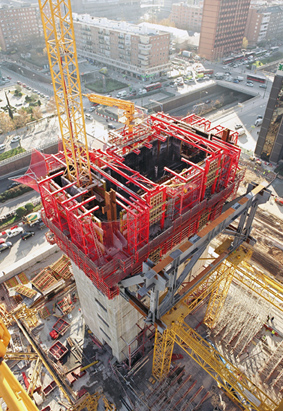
x=156, y=301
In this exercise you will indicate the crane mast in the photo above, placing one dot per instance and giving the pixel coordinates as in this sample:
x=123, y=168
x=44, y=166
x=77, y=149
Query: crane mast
x=59, y=35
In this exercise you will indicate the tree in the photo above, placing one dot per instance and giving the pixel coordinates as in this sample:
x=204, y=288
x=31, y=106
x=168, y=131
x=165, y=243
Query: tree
x=245, y=43
x=21, y=119
x=36, y=113
x=51, y=106
x=18, y=91
x=167, y=22
x=6, y=124
x=29, y=207
x=21, y=211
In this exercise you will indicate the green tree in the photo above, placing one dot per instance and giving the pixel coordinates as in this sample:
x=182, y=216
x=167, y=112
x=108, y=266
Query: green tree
x=29, y=207
x=21, y=211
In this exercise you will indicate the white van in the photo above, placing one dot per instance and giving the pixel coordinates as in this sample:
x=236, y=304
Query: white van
x=121, y=94
x=258, y=122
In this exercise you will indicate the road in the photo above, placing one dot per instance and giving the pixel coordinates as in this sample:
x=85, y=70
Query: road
x=21, y=249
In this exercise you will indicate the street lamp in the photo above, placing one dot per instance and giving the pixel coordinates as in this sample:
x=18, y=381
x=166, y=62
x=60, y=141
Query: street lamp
x=158, y=103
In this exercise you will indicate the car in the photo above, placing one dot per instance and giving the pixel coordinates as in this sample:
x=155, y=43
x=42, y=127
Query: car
x=237, y=126
x=2, y=146
x=8, y=77
x=27, y=234
x=12, y=232
x=18, y=104
x=15, y=139
x=249, y=84
x=88, y=117
x=207, y=101
x=91, y=109
x=5, y=246
x=2, y=240
x=206, y=77
x=111, y=126
x=13, y=184
x=40, y=224
x=263, y=86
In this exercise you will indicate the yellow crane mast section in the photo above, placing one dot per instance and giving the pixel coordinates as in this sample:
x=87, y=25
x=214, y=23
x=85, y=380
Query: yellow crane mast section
x=59, y=35
x=12, y=392
x=127, y=106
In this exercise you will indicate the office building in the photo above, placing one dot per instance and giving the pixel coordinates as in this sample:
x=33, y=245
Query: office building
x=223, y=27
x=138, y=51
x=270, y=140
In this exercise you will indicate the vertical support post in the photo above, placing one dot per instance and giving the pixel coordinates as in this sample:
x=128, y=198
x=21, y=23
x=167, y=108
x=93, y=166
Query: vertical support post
x=162, y=355
x=218, y=297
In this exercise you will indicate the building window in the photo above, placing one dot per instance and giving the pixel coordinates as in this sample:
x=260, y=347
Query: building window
x=105, y=333
x=102, y=306
x=104, y=322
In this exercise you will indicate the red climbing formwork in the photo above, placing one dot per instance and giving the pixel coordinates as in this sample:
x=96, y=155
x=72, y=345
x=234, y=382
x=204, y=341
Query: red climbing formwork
x=151, y=190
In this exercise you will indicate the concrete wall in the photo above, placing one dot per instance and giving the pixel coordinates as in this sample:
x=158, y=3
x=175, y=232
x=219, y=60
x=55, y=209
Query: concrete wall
x=111, y=321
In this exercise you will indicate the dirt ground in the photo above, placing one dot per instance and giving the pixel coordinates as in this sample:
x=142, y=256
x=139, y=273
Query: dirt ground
x=268, y=223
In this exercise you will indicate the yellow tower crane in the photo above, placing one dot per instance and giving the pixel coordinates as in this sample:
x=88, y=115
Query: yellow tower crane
x=59, y=35
x=127, y=106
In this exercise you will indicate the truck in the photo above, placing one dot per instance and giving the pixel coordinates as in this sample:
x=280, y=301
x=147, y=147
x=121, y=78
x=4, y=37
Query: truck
x=33, y=218
x=240, y=78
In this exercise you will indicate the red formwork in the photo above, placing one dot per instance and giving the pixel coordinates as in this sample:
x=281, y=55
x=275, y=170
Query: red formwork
x=107, y=235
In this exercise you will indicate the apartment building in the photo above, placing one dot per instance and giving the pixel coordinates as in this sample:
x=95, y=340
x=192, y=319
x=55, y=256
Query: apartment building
x=223, y=27
x=18, y=25
x=275, y=26
x=264, y=24
x=138, y=51
x=186, y=16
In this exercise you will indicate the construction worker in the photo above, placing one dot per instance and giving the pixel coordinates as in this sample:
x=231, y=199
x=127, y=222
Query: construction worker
x=272, y=333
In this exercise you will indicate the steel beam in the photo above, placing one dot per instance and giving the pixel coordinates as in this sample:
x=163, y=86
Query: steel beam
x=163, y=276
